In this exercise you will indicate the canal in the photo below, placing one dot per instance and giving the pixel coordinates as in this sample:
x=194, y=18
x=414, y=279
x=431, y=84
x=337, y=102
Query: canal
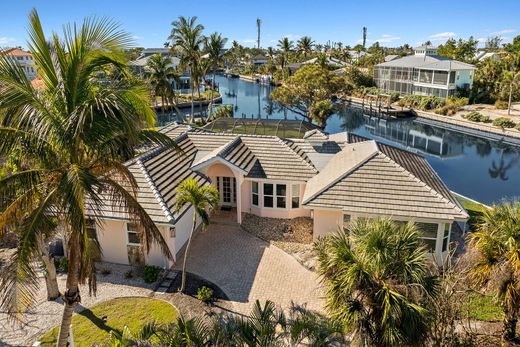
x=481, y=169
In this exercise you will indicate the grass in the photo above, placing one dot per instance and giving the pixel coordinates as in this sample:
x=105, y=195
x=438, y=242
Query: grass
x=475, y=211
x=484, y=308
x=88, y=327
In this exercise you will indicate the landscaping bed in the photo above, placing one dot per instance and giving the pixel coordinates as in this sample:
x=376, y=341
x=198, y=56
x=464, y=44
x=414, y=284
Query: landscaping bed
x=193, y=283
x=294, y=236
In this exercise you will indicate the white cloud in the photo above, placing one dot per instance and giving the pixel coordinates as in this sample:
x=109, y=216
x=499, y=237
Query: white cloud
x=504, y=31
x=442, y=36
x=387, y=38
x=249, y=41
x=135, y=37
x=5, y=40
x=292, y=36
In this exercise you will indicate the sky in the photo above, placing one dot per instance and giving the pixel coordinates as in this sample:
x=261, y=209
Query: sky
x=391, y=23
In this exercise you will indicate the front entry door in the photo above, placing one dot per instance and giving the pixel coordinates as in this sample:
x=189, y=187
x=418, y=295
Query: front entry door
x=226, y=188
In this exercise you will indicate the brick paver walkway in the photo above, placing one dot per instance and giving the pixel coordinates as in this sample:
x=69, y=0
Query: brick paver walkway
x=247, y=268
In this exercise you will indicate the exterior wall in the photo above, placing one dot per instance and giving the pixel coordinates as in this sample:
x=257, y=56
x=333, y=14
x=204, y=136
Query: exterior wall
x=464, y=78
x=112, y=238
x=326, y=222
x=182, y=231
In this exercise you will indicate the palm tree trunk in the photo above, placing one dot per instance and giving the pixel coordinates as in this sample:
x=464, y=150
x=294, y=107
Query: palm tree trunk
x=510, y=98
x=51, y=282
x=212, y=89
x=191, y=87
x=183, y=281
x=71, y=296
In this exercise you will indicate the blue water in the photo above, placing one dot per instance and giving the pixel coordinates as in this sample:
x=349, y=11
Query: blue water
x=478, y=168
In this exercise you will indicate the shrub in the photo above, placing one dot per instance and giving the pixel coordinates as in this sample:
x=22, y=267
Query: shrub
x=106, y=271
x=128, y=274
x=151, y=273
x=475, y=116
x=394, y=97
x=517, y=127
x=501, y=105
x=503, y=122
x=64, y=265
x=205, y=294
x=223, y=111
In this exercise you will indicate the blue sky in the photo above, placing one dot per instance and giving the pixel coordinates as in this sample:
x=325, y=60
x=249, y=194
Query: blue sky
x=392, y=23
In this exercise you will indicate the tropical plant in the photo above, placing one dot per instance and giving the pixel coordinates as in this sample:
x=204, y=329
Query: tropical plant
x=378, y=281
x=304, y=46
x=215, y=46
x=187, y=41
x=510, y=83
x=285, y=45
x=202, y=199
x=493, y=256
x=308, y=92
x=74, y=131
x=504, y=122
x=160, y=73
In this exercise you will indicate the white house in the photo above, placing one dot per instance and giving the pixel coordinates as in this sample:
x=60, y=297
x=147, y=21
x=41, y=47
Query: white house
x=24, y=59
x=333, y=179
x=424, y=73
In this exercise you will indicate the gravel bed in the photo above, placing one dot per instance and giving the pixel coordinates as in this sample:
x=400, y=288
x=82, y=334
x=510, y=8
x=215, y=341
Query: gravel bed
x=44, y=315
x=294, y=236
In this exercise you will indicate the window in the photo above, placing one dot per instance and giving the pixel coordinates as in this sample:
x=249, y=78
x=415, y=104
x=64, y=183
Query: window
x=295, y=197
x=429, y=235
x=91, y=229
x=268, y=195
x=281, y=193
x=447, y=229
x=254, y=193
x=172, y=232
x=346, y=220
x=133, y=235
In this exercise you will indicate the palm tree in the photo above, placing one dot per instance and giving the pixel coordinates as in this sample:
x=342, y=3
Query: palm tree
x=187, y=40
x=285, y=45
x=215, y=46
x=258, y=25
x=304, y=45
x=75, y=131
x=378, y=281
x=510, y=83
x=160, y=74
x=494, y=262
x=202, y=200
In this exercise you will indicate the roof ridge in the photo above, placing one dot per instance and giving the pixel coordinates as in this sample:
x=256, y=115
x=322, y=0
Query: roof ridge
x=155, y=190
x=296, y=154
x=430, y=189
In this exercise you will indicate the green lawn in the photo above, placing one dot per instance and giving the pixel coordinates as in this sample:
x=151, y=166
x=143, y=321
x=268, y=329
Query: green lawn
x=483, y=307
x=88, y=328
x=475, y=211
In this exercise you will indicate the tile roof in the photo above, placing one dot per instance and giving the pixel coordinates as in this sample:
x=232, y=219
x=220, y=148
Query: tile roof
x=362, y=179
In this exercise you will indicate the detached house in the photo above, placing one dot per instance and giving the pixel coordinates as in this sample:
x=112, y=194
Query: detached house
x=333, y=179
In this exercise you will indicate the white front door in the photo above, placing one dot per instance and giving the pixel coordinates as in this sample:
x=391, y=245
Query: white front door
x=226, y=188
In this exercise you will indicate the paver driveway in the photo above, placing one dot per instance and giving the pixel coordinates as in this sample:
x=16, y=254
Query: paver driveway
x=248, y=268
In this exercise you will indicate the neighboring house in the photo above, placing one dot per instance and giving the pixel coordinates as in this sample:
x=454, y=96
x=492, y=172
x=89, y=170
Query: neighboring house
x=424, y=73
x=356, y=55
x=139, y=65
x=391, y=57
x=24, y=59
x=329, y=60
x=259, y=60
x=333, y=179
x=481, y=55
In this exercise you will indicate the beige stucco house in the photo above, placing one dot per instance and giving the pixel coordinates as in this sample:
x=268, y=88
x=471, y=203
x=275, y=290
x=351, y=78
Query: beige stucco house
x=333, y=179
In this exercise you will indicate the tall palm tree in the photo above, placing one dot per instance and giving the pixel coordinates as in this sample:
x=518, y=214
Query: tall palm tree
x=304, y=45
x=160, y=74
x=493, y=254
x=202, y=200
x=510, y=83
x=258, y=25
x=215, y=46
x=187, y=40
x=378, y=281
x=285, y=45
x=75, y=131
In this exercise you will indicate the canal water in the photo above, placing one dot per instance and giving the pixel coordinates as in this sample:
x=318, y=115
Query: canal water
x=481, y=169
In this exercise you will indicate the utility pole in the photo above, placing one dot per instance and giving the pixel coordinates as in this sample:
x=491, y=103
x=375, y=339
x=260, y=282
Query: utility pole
x=364, y=37
x=258, y=25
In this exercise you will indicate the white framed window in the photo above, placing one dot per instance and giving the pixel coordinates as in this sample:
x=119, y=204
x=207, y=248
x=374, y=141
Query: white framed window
x=254, y=193
x=428, y=233
x=281, y=196
x=346, y=220
x=91, y=229
x=132, y=234
x=268, y=194
x=445, y=239
x=295, y=196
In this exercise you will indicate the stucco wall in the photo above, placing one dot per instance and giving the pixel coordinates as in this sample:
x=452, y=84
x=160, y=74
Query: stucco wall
x=463, y=77
x=183, y=230
x=326, y=222
x=218, y=169
x=113, y=240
